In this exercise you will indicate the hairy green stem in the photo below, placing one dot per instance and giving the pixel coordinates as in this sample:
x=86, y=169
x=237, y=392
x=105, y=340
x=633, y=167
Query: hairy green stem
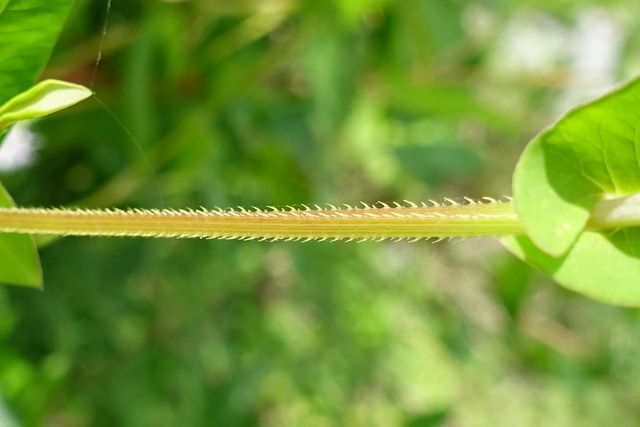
x=407, y=221
x=487, y=217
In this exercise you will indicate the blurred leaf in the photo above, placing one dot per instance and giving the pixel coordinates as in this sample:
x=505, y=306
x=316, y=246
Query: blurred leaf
x=512, y=283
x=439, y=162
x=332, y=87
x=19, y=262
x=142, y=68
x=439, y=20
x=352, y=10
x=441, y=100
x=434, y=419
x=28, y=29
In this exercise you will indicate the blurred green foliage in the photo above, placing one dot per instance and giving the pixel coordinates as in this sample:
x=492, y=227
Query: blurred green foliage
x=284, y=102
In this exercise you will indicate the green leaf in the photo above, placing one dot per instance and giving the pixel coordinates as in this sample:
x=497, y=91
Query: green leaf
x=606, y=268
x=590, y=154
x=19, y=262
x=28, y=30
x=44, y=98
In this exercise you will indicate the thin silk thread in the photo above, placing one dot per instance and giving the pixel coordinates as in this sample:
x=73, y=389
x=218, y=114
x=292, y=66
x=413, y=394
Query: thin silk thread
x=103, y=36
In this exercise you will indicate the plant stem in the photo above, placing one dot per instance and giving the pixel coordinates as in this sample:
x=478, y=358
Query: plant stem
x=408, y=221
x=616, y=213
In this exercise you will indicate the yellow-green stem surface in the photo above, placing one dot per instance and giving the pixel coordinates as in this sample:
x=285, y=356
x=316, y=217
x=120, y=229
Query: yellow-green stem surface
x=406, y=221
x=450, y=219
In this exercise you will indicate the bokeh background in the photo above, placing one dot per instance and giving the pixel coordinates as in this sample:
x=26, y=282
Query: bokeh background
x=276, y=102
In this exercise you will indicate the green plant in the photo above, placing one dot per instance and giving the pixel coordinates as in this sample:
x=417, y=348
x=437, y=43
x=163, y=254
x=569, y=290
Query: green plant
x=574, y=214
